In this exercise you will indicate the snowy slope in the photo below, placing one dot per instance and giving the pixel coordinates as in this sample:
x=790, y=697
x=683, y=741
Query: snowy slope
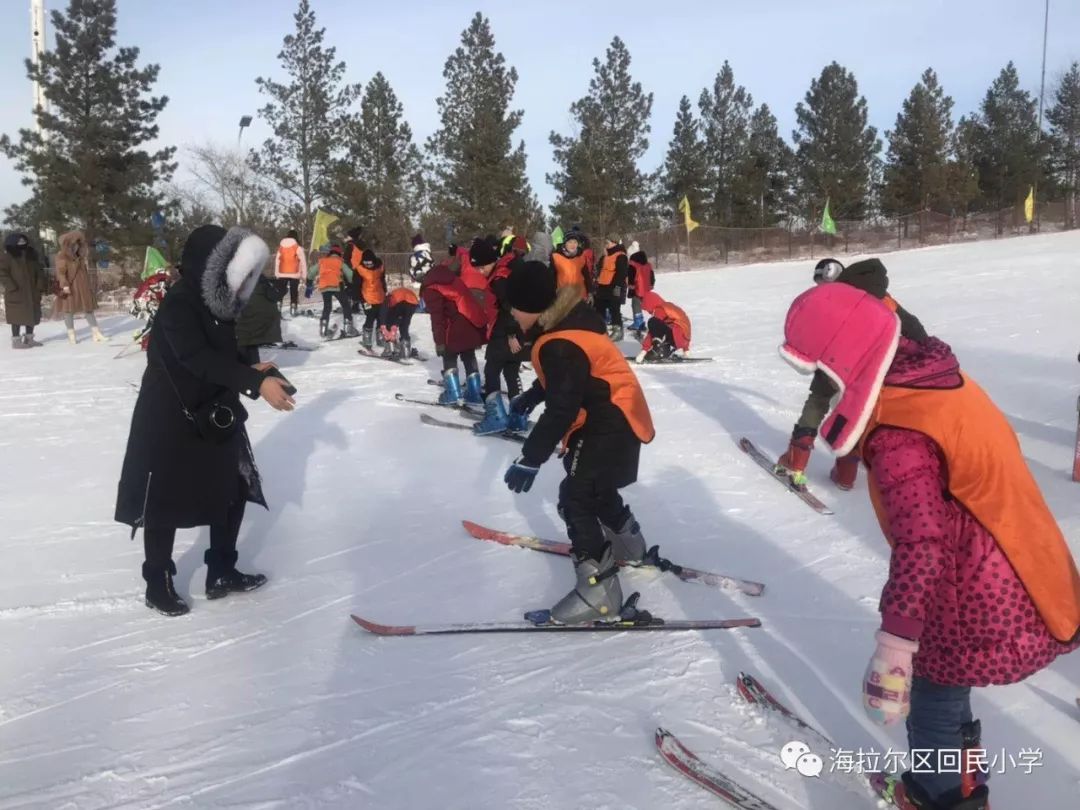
x=276, y=700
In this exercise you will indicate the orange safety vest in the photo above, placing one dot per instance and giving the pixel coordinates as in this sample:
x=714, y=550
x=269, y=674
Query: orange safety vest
x=674, y=317
x=289, y=261
x=402, y=295
x=330, y=272
x=569, y=272
x=606, y=362
x=371, y=286
x=987, y=474
x=607, y=269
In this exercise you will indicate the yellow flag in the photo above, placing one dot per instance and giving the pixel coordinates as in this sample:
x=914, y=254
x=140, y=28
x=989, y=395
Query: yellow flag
x=684, y=207
x=320, y=234
x=1029, y=205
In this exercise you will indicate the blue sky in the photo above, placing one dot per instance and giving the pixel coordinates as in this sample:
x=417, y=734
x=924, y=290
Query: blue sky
x=211, y=51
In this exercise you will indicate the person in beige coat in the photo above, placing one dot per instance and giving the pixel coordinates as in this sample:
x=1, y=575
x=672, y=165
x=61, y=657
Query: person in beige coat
x=78, y=294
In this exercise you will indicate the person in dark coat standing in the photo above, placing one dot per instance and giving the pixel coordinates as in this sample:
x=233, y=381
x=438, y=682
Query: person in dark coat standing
x=188, y=461
x=23, y=281
x=459, y=325
x=610, y=289
x=260, y=322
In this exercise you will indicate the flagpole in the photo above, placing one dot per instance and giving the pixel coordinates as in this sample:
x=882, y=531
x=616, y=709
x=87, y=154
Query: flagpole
x=1042, y=95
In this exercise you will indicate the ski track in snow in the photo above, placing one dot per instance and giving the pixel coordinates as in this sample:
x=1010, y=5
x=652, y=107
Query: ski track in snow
x=277, y=700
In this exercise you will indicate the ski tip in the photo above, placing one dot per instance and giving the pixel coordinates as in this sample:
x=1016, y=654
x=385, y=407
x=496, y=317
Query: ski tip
x=384, y=629
x=662, y=734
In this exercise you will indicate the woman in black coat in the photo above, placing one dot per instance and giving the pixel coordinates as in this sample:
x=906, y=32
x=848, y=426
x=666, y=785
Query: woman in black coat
x=186, y=465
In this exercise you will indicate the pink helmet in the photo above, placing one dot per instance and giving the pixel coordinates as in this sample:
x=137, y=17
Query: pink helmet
x=852, y=337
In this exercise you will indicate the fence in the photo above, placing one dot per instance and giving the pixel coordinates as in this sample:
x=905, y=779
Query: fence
x=669, y=249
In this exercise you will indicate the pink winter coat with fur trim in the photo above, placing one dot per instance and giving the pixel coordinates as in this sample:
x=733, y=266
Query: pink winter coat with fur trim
x=950, y=585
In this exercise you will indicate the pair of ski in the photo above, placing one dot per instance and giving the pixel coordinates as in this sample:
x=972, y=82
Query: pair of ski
x=631, y=358
x=630, y=617
x=518, y=437
x=371, y=355
x=783, y=477
x=675, y=753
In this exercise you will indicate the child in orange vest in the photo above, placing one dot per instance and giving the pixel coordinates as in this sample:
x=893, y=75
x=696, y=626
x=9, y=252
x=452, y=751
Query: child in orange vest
x=332, y=277
x=982, y=589
x=290, y=268
x=668, y=338
x=372, y=277
x=595, y=407
x=401, y=305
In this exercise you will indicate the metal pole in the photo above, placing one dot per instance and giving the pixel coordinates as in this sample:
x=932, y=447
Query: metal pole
x=37, y=45
x=1042, y=92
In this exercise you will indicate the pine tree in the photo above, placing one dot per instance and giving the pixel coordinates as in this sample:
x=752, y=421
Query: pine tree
x=598, y=181
x=835, y=147
x=1064, y=120
x=916, y=169
x=380, y=183
x=1004, y=141
x=478, y=177
x=307, y=116
x=683, y=173
x=763, y=189
x=725, y=117
x=87, y=165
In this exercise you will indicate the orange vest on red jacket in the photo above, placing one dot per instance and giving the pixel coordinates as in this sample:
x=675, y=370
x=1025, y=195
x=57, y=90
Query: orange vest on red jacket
x=987, y=474
x=606, y=362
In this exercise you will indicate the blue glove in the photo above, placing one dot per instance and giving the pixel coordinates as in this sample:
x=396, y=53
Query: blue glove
x=309, y=288
x=526, y=402
x=520, y=476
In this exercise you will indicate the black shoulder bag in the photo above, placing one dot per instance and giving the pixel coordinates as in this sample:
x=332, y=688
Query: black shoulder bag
x=215, y=421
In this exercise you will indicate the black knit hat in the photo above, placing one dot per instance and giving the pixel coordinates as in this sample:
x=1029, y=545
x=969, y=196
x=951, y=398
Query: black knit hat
x=482, y=253
x=368, y=258
x=531, y=286
x=418, y=239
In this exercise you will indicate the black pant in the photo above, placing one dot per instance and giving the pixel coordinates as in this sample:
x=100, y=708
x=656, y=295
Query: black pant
x=328, y=297
x=376, y=316
x=293, y=287
x=15, y=330
x=468, y=359
x=597, y=467
x=661, y=331
x=158, y=541
x=612, y=307
x=498, y=360
x=400, y=315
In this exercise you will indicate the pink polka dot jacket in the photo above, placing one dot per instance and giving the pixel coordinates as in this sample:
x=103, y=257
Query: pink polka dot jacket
x=950, y=586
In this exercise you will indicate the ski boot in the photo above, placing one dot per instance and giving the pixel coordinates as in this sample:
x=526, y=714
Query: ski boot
x=845, y=471
x=793, y=462
x=495, y=418
x=451, y=393
x=350, y=329
x=294, y=310
x=597, y=594
x=323, y=326
x=160, y=593
x=907, y=794
x=639, y=323
x=391, y=350
x=380, y=337
x=474, y=391
x=222, y=578
x=407, y=350
x=367, y=339
x=516, y=422
x=616, y=332
x=627, y=542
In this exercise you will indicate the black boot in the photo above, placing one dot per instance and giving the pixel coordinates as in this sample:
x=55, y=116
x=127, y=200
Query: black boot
x=160, y=593
x=916, y=797
x=222, y=578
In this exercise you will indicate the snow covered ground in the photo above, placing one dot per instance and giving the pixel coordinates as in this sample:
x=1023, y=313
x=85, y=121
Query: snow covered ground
x=276, y=700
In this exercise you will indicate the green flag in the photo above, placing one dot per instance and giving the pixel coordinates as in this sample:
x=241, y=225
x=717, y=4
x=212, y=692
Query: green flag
x=827, y=224
x=153, y=263
x=557, y=237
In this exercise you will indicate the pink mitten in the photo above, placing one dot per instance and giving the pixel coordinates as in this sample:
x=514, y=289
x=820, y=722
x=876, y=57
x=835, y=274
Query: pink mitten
x=887, y=684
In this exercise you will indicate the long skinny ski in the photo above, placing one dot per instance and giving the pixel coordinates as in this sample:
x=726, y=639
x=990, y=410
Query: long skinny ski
x=767, y=464
x=633, y=358
x=653, y=559
x=539, y=624
x=686, y=762
x=430, y=403
x=371, y=356
x=428, y=419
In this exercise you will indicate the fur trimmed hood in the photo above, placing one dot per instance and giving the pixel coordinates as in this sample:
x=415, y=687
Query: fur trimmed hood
x=224, y=267
x=72, y=240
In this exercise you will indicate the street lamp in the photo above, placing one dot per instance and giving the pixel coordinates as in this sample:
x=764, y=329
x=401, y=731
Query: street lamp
x=245, y=121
